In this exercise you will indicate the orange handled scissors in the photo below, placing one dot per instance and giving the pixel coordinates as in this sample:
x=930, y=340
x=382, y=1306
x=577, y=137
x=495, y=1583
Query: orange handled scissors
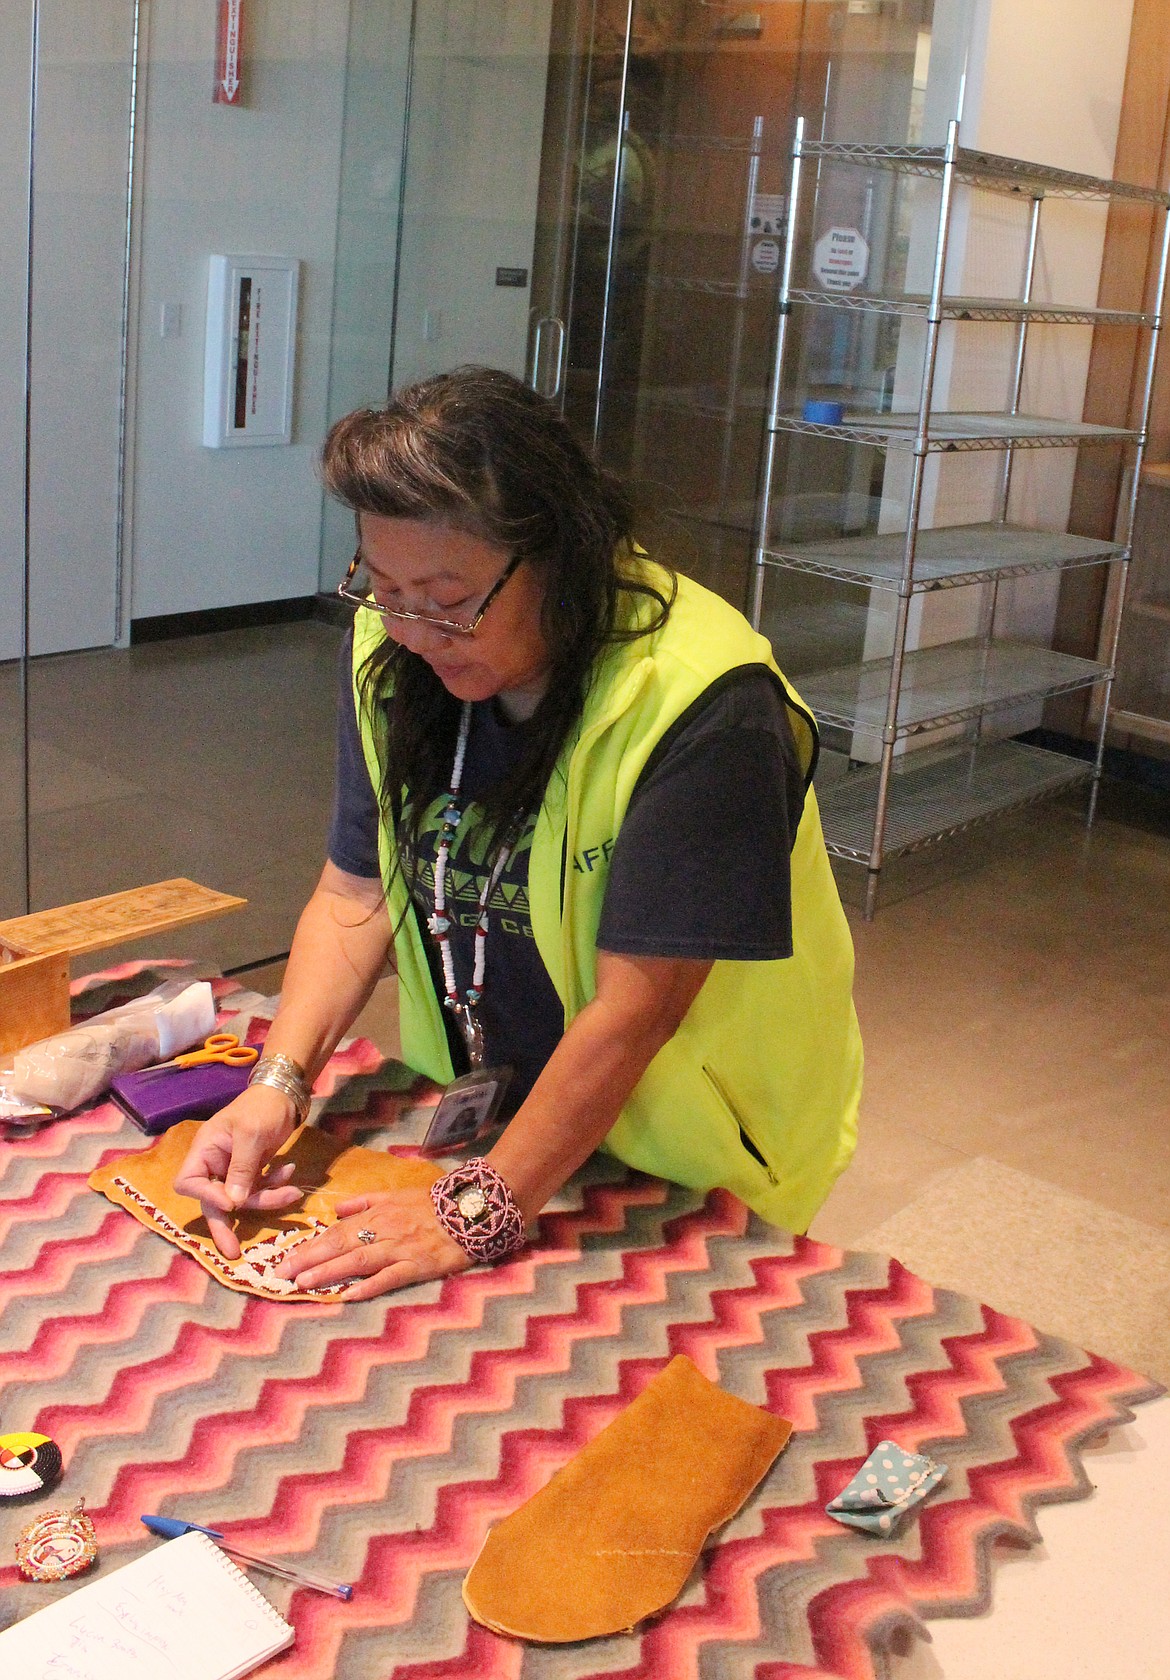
x=219, y=1047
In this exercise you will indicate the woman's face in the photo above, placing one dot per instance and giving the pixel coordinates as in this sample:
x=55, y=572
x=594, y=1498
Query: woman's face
x=422, y=566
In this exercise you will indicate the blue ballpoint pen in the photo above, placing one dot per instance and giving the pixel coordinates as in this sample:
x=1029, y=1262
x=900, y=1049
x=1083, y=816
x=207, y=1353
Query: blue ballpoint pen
x=171, y=1527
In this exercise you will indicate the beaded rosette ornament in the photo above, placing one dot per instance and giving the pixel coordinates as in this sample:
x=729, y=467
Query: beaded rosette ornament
x=29, y=1464
x=57, y=1545
x=474, y=1205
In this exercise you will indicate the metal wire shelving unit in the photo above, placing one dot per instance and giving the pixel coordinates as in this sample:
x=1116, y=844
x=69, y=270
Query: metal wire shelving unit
x=945, y=685
x=975, y=309
x=907, y=800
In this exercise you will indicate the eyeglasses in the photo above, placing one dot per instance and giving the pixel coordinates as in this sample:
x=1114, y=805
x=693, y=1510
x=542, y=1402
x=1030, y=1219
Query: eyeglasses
x=447, y=626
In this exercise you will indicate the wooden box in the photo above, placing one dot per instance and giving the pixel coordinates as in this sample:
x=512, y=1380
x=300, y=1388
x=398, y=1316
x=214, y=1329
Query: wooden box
x=35, y=950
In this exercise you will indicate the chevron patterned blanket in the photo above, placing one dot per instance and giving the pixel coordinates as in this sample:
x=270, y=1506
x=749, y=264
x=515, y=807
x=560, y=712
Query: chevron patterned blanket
x=377, y=1442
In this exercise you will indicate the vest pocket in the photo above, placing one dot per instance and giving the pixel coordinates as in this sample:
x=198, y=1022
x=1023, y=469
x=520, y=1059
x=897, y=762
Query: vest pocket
x=745, y=1137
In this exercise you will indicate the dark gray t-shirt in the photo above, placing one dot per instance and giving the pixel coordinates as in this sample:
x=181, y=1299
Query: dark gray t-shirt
x=700, y=867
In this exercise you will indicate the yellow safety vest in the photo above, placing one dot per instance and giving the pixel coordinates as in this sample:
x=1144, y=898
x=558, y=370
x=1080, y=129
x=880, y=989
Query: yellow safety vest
x=769, y=1051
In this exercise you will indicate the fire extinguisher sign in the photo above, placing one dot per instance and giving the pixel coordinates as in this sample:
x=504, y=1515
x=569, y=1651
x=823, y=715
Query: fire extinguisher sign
x=228, y=56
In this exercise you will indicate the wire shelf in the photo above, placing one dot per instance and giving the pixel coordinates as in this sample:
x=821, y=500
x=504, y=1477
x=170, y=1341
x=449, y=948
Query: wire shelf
x=916, y=304
x=984, y=169
x=945, y=685
x=941, y=796
x=910, y=799
x=946, y=557
x=961, y=432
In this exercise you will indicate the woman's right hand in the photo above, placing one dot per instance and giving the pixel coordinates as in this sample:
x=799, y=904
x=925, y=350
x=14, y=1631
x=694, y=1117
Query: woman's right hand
x=224, y=1168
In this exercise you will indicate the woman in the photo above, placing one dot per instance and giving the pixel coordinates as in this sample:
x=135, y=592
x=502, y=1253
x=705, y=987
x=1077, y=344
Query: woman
x=574, y=802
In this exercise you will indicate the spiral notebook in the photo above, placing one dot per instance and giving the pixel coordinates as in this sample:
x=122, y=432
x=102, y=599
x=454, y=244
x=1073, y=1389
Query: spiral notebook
x=181, y=1612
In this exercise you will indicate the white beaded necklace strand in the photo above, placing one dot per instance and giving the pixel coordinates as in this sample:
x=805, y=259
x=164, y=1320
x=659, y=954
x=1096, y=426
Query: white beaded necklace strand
x=440, y=923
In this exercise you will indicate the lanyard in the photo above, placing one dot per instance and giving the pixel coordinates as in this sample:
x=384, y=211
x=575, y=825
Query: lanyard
x=463, y=1008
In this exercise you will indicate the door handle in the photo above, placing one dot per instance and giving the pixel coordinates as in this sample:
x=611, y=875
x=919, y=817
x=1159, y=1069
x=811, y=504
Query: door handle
x=553, y=322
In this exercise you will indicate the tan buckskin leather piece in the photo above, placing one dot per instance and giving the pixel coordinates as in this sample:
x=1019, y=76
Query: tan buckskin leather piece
x=143, y=1183
x=615, y=1534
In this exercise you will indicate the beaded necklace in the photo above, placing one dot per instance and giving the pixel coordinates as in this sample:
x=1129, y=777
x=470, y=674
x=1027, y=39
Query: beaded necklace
x=463, y=1008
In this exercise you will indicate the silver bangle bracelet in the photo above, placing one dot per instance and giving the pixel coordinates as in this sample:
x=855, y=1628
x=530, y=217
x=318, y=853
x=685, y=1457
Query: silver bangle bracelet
x=288, y=1077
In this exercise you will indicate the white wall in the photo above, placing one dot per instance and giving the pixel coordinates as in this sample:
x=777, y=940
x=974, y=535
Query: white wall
x=14, y=96
x=1043, y=81
x=79, y=237
x=215, y=528
x=15, y=52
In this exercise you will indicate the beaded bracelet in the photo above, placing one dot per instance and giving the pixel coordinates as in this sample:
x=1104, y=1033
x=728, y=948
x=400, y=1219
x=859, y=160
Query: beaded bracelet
x=474, y=1205
x=288, y=1077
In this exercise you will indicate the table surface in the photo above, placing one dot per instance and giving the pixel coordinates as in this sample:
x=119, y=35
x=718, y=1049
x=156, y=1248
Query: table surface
x=378, y=1441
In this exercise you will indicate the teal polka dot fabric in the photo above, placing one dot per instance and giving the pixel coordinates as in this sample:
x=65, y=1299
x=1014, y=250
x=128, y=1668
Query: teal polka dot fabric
x=888, y=1485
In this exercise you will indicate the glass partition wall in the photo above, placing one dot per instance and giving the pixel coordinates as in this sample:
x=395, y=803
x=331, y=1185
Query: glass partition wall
x=587, y=192
x=15, y=123
x=180, y=686
x=13, y=757
x=678, y=241
x=593, y=195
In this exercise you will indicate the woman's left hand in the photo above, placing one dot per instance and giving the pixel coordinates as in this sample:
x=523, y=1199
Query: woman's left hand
x=409, y=1246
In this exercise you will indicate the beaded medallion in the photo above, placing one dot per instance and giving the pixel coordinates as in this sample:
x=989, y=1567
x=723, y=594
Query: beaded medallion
x=57, y=1545
x=28, y=1464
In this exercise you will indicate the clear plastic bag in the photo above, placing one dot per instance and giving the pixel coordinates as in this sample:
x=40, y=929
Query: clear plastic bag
x=64, y=1072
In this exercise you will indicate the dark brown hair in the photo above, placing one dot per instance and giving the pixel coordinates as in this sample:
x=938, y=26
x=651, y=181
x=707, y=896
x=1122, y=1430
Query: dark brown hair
x=479, y=450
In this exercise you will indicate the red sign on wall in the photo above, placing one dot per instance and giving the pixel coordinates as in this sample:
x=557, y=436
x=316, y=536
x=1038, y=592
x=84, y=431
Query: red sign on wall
x=229, y=62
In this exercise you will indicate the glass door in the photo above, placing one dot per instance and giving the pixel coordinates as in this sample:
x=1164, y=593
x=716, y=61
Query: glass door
x=504, y=250
x=591, y=192
x=477, y=168
x=654, y=270
x=677, y=258
x=592, y=197
x=458, y=180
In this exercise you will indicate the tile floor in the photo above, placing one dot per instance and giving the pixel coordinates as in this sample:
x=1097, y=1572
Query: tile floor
x=1014, y=990
x=1021, y=1011
x=209, y=756
x=1017, y=1024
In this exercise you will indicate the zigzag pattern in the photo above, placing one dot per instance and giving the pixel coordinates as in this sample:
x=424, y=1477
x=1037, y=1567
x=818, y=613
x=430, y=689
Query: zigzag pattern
x=379, y=1441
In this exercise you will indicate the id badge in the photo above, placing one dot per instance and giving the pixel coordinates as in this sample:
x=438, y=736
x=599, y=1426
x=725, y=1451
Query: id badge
x=466, y=1109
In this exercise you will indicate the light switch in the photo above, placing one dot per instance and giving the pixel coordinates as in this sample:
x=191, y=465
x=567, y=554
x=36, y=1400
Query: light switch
x=432, y=325
x=170, y=320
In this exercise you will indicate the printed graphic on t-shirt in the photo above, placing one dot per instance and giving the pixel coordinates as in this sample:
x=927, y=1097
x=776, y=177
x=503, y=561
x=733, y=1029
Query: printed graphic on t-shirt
x=520, y=1013
x=468, y=865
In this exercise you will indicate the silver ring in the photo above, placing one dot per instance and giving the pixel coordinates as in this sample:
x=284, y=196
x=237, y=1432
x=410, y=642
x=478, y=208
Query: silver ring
x=365, y=1235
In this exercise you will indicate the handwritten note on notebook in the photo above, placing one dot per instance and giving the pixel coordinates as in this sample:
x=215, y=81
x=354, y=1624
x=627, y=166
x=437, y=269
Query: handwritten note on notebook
x=181, y=1612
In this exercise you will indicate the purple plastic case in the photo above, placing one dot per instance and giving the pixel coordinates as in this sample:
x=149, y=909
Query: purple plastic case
x=157, y=1098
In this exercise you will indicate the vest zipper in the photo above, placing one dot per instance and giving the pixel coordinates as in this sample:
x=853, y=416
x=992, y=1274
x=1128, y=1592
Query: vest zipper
x=749, y=1142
